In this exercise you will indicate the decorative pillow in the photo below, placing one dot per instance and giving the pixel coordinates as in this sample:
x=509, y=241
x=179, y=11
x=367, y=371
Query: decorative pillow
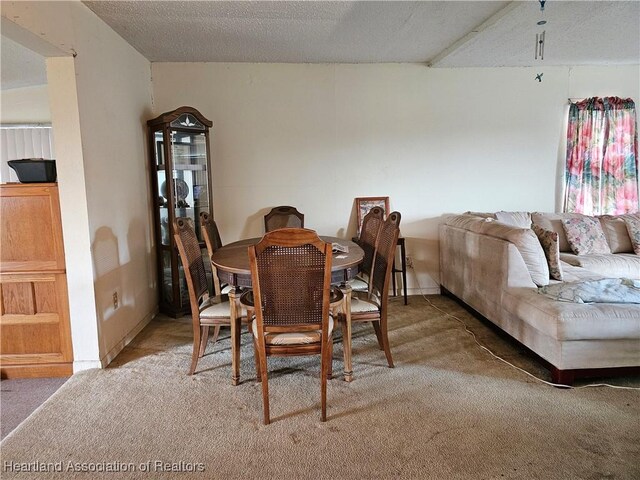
x=527, y=244
x=515, y=219
x=585, y=235
x=551, y=247
x=615, y=229
x=553, y=222
x=633, y=226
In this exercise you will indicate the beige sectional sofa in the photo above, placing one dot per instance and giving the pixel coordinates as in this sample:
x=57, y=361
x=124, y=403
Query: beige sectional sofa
x=496, y=269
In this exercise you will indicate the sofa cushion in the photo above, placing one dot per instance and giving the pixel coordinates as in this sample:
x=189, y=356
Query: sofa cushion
x=633, y=227
x=620, y=265
x=515, y=219
x=467, y=222
x=481, y=214
x=574, y=321
x=551, y=247
x=585, y=235
x=527, y=244
x=615, y=229
x=553, y=221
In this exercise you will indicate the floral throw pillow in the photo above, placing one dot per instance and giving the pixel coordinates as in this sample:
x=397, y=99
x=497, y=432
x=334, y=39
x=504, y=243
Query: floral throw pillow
x=633, y=227
x=585, y=235
x=551, y=248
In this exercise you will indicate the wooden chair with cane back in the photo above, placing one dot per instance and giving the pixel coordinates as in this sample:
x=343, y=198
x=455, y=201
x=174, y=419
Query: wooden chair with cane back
x=212, y=240
x=371, y=224
x=206, y=311
x=283, y=216
x=371, y=306
x=291, y=278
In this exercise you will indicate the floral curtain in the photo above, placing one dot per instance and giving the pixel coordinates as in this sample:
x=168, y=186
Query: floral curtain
x=602, y=157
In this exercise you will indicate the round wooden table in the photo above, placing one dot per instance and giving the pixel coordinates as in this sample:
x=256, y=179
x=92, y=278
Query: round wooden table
x=232, y=264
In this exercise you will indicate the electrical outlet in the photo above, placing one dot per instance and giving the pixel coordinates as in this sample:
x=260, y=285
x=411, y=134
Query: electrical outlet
x=115, y=300
x=409, y=261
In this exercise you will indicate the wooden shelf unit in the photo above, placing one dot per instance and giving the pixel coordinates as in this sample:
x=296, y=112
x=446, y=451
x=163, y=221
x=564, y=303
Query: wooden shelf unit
x=35, y=333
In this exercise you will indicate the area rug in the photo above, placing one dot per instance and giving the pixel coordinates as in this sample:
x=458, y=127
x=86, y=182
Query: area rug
x=448, y=410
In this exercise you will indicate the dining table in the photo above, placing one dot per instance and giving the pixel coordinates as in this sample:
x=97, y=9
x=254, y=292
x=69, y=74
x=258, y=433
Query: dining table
x=232, y=267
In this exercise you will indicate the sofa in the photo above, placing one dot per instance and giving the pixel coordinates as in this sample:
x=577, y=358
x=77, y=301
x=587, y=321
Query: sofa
x=496, y=265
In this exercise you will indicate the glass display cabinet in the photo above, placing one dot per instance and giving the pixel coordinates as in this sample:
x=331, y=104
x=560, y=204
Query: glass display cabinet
x=179, y=151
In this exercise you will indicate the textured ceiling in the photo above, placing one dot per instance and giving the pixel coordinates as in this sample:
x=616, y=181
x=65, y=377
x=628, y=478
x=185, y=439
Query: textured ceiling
x=576, y=33
x=292, y=32
x=484, y=34
x=437, y=33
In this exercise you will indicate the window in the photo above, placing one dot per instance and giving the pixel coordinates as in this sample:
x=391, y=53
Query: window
x=602, y=157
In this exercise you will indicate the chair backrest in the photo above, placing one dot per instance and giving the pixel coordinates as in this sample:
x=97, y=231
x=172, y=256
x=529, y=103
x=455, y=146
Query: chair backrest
x=191, y=257
x=283, y=216
x=384, y=255
x=291, y=277
x=212, y=240
x=210, y=233
x=371, y=224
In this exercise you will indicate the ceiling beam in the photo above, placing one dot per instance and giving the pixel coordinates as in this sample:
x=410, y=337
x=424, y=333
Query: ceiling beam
x=29, y=40
x=492, y=20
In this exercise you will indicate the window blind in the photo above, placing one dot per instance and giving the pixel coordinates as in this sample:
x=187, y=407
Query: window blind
x=23, y=141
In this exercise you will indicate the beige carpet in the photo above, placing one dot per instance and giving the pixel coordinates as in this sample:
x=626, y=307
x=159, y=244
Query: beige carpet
x=448, y=410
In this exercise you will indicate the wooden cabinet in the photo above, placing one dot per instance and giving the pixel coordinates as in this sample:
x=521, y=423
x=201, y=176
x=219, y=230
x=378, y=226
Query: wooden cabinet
x=35, y=335
x=179, y=148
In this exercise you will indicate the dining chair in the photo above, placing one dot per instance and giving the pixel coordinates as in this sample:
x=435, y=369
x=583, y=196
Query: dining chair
x=206, y=311
x=371, y=306
x=291, y=278
x=371, y=224
x=283, y=216
x=212, y=240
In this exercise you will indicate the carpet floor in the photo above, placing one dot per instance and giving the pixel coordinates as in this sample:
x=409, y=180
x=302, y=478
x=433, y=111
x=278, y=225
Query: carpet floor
x=19, y=397
x=448, y=410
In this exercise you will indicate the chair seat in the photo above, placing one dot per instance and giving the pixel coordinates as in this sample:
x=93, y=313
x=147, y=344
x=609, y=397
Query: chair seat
x=292, y=338
x=362, y=305
x=226, y=289
x=210, y=310
x=359, y=285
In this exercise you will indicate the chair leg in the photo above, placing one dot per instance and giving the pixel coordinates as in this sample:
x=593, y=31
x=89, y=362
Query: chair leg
x=256, y=356
x=265, y=384
x=235, y=338
x=376, y=327
x=204, y=338
x=345, y=324
x=196, y=349
x=330, y=355
x=385, y=341
x=216, y=332
x=324, y=362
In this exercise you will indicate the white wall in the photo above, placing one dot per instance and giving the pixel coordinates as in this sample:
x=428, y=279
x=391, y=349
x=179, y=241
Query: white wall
x=434, y=140
x=103, y=174
x=25, y=105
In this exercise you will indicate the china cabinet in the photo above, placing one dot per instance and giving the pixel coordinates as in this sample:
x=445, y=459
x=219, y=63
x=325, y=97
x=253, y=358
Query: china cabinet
x=180, y=159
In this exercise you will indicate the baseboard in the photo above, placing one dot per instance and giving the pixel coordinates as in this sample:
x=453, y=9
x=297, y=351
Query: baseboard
x=80, y=365
x=41, y=370
x=424, y=291
x=113, y=353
